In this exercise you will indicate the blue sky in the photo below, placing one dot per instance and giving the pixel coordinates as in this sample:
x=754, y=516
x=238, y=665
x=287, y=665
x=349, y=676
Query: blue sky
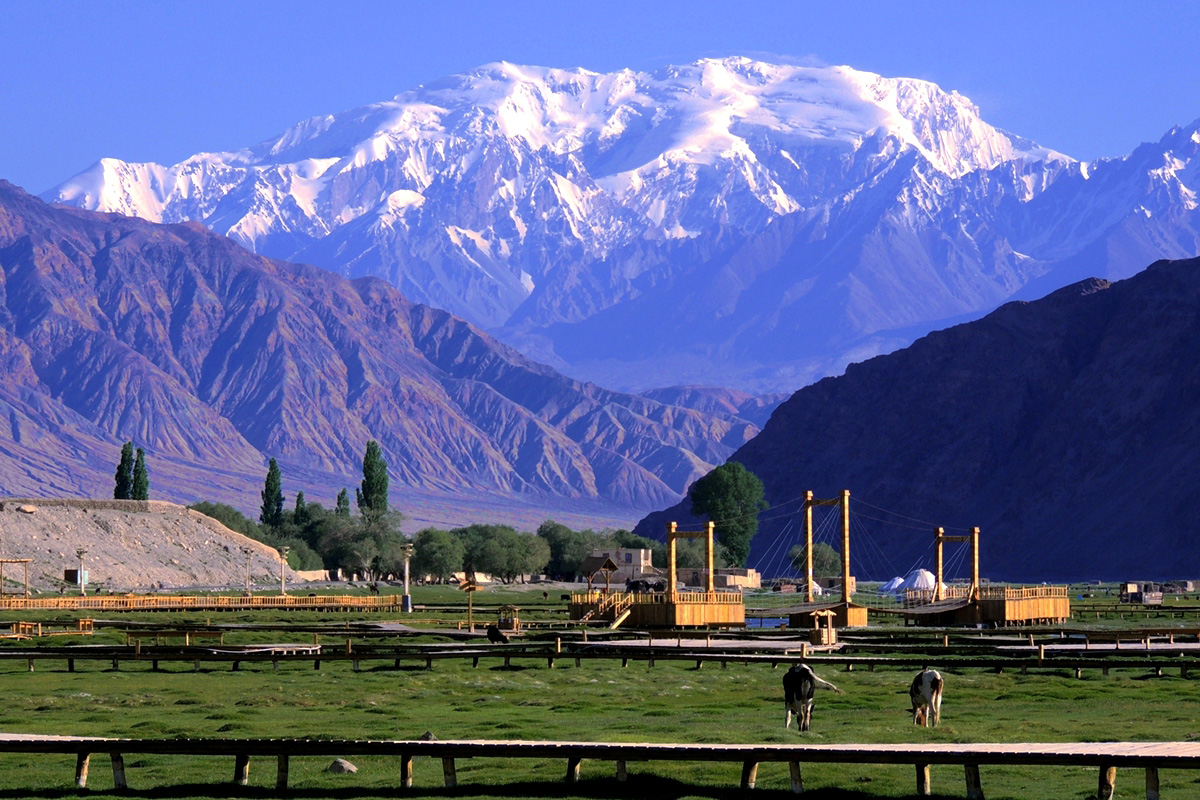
x=158, y=81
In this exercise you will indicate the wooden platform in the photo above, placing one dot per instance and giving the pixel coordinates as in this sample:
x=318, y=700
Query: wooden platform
x=1106, y=756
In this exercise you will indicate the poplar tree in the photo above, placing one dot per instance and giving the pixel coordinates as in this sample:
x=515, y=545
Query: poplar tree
x=373, y=496
x=123, y=487
x=272, y=497
x=342, y=507
x=141, y=477
x=301, y=515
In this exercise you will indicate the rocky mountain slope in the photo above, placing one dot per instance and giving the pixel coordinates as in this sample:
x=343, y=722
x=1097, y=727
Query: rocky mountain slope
x=130, y=546
x=213, y=359
x=1065, y=428
x=729, y=222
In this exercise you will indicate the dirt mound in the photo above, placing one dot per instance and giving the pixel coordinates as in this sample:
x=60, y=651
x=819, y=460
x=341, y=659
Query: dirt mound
x=130, y=546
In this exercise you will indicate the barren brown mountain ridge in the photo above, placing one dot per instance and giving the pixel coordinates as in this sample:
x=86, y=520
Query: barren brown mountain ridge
x=1066, y=428
x=214, y=359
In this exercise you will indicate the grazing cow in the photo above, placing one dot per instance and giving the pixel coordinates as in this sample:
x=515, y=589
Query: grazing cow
x=926, y=696
x=799, y=683
x=495, y=635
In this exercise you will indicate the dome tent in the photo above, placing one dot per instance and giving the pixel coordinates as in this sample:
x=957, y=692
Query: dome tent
x=892, y=585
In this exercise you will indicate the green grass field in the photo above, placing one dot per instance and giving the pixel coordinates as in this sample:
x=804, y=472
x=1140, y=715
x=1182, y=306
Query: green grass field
x=671, y=702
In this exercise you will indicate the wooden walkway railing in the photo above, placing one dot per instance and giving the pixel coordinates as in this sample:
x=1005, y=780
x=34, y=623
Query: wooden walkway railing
x=1106, y=756
x=356, y=653
x=152, y=602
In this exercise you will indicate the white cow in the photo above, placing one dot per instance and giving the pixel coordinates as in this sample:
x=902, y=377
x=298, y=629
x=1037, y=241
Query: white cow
x=926, y=695
x=799, y=684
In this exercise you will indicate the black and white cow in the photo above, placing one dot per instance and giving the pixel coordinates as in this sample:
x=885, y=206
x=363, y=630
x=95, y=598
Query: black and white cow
x=926, y=695
x=799, y=684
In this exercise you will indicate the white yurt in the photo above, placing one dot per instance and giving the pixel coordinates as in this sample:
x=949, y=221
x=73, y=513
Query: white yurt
x=891, y=585
x=919, y=579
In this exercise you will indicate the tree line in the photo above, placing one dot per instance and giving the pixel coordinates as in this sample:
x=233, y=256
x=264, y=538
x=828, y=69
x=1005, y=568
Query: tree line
x=371, y=546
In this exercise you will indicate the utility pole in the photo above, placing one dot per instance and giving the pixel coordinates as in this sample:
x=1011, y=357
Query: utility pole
x=247, y=551
x=82, y=583
x=406, y=601
x=283, y=554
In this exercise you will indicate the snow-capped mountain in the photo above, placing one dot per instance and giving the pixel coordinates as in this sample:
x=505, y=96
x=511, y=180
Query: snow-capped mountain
x=728, y=222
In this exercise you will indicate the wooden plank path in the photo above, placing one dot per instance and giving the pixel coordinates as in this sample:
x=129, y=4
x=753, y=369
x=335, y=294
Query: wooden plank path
x=1107, y=757
x=427, y=655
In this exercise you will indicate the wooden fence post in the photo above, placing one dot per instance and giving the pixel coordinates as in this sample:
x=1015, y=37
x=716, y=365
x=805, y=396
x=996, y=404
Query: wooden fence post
x=241, y=770
x=1108, y=783
x=923, y=780
x=81, y=769
x=281, y=773
x=573, y=769
x=974, y=787
x=749, y=774
x=797, y=778
x=118, y=765
x=406, y=770
x=448, y=773
x=1152, y=783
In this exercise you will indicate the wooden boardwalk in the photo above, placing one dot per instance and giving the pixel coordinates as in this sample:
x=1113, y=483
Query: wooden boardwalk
x=1107, y=757
x=365, y=655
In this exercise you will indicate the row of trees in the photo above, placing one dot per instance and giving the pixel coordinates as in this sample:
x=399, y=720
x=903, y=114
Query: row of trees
x=368, y=546
x=132, y=479
x=371, y=545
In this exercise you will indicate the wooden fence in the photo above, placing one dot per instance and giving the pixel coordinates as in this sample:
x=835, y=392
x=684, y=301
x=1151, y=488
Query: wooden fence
x=151, y=602
x=1106, y=756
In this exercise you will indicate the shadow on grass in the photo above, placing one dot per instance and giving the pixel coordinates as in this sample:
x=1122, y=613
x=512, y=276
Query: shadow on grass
x=638, y=786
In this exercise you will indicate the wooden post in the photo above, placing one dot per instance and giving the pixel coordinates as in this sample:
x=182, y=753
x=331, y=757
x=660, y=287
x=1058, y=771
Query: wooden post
x=672, y=583
x=976, y=588
x=406, y=770
x=1152, y=783
x=241, y=770
x=797, y=778
x=974, y=787
x=923, y=780
x=808, y=545
x=710, y=582
x=281, y=773
x=1108, y=783
x=118, y=765
x=938, y=537
x=749, y=774
x=448, y=773
x=623, y=772
x=573, y=769
x=846, y=549
x=81, y=769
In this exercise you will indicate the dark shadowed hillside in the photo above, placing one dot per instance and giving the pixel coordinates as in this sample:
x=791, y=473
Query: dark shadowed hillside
x=1068, y=428
x=214, y=359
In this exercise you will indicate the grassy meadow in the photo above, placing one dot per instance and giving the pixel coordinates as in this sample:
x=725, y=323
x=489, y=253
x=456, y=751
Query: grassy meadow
x=670, y=702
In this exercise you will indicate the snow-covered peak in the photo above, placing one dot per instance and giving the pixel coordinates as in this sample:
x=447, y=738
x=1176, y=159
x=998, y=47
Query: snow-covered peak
x=698, y=113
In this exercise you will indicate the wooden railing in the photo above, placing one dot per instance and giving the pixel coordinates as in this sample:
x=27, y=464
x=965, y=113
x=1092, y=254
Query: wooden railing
x=130, y=602
x=607, y=600
x=922, y=597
